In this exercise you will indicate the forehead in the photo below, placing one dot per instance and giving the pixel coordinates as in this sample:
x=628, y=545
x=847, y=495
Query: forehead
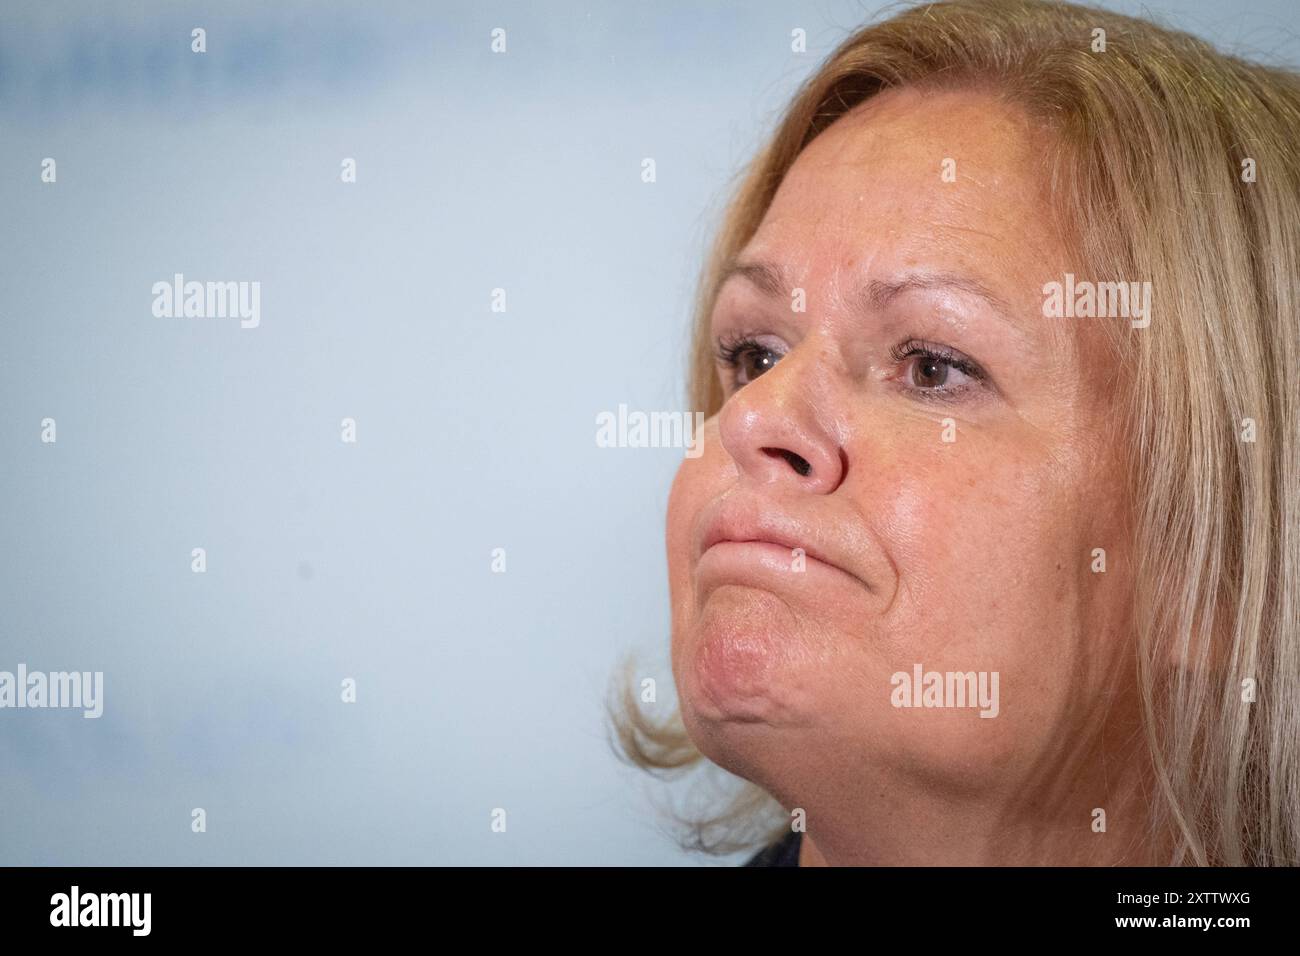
x=868, y=202
x=913, y=176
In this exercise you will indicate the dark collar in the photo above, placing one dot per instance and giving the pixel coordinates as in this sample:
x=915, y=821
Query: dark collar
x=784, y=852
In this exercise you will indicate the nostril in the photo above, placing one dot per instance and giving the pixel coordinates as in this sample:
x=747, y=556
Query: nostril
x=797, y=463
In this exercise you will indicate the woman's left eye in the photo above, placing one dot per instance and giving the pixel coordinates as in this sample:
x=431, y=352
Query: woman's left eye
x=935, y=369
x=930, y=372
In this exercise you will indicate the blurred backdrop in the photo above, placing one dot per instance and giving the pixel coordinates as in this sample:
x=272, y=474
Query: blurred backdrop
x=474, y=410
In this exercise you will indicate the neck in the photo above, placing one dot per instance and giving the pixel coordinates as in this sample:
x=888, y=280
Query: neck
x=1096, y=815
x=934, y=833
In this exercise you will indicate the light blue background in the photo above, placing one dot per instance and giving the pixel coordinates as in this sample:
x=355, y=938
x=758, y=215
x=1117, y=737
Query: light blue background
x=476, y=430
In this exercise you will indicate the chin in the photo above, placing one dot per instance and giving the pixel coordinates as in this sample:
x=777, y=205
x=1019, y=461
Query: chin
x=745, y=661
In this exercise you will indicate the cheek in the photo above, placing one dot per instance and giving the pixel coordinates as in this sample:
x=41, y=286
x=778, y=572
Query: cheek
x=981, y=531
x=990, y=549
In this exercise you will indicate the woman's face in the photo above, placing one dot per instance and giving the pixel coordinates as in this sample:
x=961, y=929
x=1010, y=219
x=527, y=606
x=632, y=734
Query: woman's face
x=899, y=408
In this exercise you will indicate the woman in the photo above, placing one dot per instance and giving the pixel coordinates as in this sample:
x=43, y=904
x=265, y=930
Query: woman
x=992, y=553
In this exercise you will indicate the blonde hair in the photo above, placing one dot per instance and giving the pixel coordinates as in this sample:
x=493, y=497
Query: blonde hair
x=1156, y=135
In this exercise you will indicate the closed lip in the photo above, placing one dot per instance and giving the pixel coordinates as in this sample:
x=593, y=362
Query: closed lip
x=740, y=520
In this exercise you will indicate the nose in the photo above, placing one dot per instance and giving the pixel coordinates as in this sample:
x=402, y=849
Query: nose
x=776, y=426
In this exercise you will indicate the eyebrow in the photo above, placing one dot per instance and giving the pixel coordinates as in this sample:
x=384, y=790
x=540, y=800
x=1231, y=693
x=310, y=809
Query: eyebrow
x=772, y=280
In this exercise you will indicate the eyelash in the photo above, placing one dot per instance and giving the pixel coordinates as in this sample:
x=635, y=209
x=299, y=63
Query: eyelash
x=933, y=352
x=730, y=350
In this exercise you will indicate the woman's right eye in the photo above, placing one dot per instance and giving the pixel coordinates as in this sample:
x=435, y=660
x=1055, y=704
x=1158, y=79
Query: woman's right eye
x=747, y=358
